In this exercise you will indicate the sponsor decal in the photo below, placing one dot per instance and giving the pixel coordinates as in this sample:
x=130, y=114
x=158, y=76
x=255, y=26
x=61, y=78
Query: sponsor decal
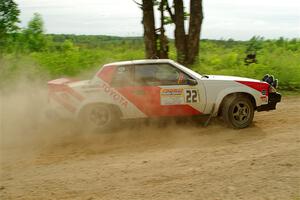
x=114, y=95
x=171, y=96
x=172, y=92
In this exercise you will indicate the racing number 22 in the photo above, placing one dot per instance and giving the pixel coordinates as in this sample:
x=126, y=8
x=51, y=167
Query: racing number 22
x=191, y=96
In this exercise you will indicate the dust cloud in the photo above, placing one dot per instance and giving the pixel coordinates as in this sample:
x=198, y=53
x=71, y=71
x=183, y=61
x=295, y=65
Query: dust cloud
x=22, y=113
x=26, y=131
x=52, y=159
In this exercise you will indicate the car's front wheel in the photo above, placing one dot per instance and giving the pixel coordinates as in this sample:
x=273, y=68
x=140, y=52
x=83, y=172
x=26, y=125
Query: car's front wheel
x=238, y=111
x=99, y=118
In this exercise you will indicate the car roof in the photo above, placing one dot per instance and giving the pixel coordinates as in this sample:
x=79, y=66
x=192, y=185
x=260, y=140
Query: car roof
x=146, y=61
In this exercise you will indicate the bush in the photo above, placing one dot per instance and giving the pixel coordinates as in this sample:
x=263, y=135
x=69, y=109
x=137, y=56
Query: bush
x=70, y=55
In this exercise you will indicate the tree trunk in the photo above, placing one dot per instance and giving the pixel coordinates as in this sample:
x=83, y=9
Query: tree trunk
x=149, y=29
x=187, y=45
x=180, y=37
x=196, y=18
x=163, y=40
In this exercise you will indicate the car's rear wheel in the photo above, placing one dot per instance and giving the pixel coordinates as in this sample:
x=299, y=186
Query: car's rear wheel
x=238, y=111
x=99, y=118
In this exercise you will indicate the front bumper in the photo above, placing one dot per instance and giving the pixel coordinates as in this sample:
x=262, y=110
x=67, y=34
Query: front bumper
x=274, y=98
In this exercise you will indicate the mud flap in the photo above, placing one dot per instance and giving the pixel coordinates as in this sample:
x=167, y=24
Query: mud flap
x=210, y=116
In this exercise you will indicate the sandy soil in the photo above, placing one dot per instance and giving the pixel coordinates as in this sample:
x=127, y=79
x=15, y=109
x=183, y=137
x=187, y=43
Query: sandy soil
x=185, y=161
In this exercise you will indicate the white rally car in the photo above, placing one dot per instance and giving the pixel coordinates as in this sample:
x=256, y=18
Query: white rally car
x=159, y=88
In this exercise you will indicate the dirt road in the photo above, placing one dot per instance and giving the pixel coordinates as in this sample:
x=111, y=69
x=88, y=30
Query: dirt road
x=175, y=162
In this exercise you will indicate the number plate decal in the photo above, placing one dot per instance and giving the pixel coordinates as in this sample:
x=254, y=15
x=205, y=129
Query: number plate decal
x=178, y=96
x=191, y=95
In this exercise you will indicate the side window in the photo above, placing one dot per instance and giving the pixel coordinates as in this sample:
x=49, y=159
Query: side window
x=122, y=76
x=159, y=74
x=146, y=75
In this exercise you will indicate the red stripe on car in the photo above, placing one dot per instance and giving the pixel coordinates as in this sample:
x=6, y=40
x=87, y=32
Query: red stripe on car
x=149, y=102
x=63, y=102
x=259, y=86
x=106, y=74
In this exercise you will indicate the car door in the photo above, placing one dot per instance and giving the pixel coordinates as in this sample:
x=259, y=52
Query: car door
x=161, y=90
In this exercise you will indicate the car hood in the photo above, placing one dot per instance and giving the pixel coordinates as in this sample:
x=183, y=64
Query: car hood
x=230, y=78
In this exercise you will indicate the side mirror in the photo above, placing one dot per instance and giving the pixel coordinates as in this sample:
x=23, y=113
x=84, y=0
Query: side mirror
x=192, y=82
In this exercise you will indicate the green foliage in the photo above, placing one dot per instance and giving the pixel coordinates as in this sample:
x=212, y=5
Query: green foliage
x=71, y=55
x=36, y=25
x=280, y=58
x=68, y=45
x=9, y=17
x=34, y=34
x=35, y=54
x=9, y=14
x=254, y=44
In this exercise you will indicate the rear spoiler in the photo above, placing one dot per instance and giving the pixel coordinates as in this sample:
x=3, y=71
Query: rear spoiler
x=60, y=84
x=61, y=81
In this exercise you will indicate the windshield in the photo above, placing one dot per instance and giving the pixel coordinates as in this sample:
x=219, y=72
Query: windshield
x=189, y=71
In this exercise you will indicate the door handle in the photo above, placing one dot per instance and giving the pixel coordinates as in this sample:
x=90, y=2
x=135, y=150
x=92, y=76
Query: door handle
x=138, y=92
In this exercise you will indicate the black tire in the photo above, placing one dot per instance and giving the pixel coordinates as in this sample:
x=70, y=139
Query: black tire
x=238, y=111
x=99, y=118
